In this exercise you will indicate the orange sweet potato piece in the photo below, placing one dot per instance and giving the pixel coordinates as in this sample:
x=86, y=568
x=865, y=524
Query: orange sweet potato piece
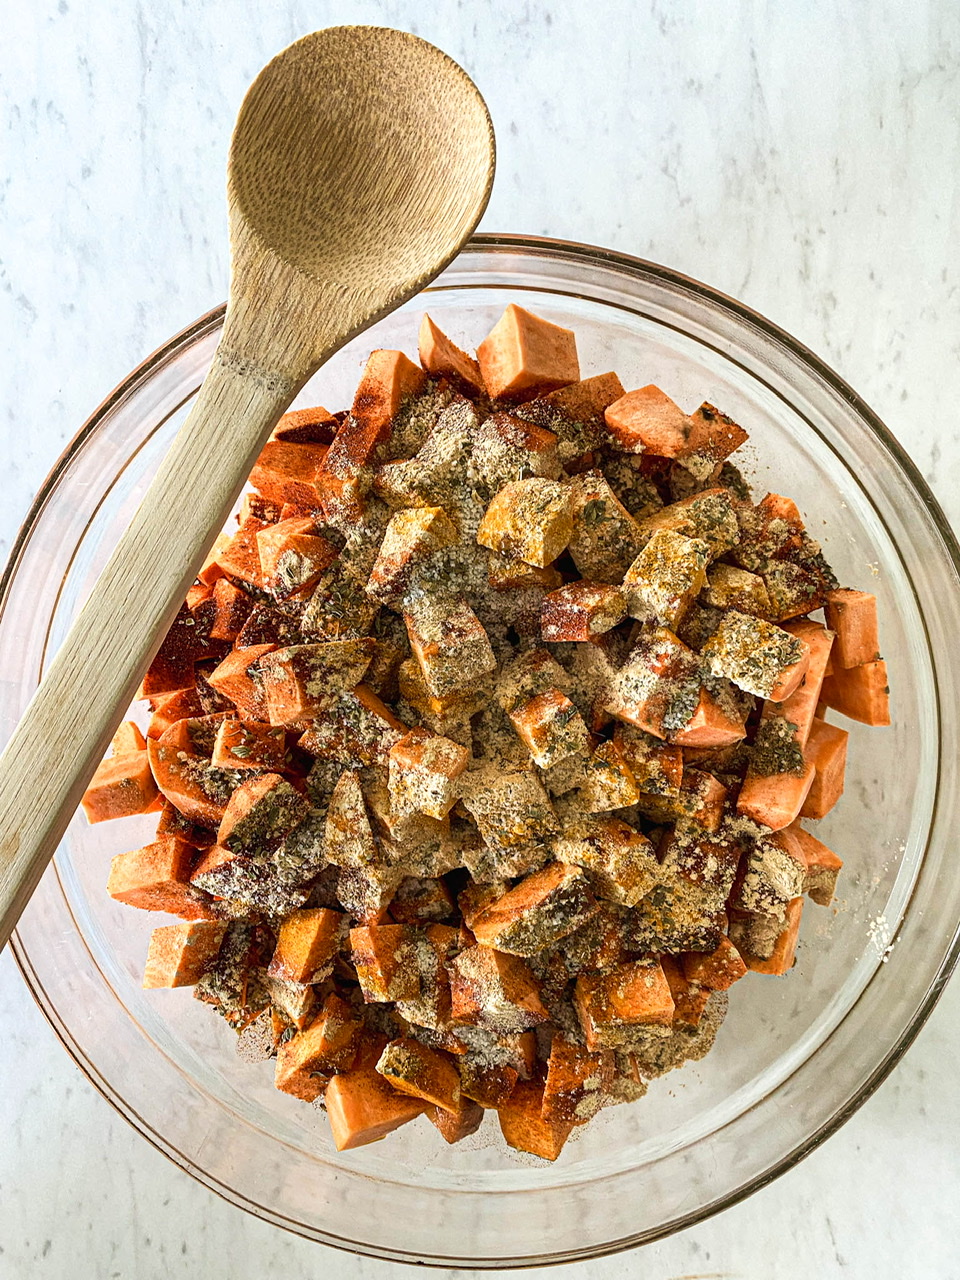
x=585, y=401
x=490, y=988
x=287, y=473
x=823, y=865
x=826, y=749
x=635, y=994
x=713, y=435
x=181, y=782
x=689, y=998
x=363, y=1108
x=307, y=1060
x=581, y=610
x=168, y=708
x=248, y=745
x=523, y=1126
x=776, y=799
x=237, y=677
x=299, y=680
x=232, y=607
x=172, y=823
x=185, y=644
x=424, y=769
x=180, y=954
x=716, y=970
x=441, y=357
x=357, y=726
x=306, y=426
x=800, y=707
x=576, y=1082
x=416, y=1069
x=293, y=557
x=537, y=912
x=853, y=616
x=709, y=726
x=122, y=785
x=157, y=878
x=240, y=558
x=524, y=355
x=648, y=421
x=260, y=813
x=307, y=941
x=210, y=570
x=459, y=1123
x=785, y=948
x=860, y=693
x=127, y=739
x=382, y=955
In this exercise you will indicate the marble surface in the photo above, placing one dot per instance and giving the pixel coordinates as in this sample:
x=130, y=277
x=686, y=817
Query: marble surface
x=801, y=156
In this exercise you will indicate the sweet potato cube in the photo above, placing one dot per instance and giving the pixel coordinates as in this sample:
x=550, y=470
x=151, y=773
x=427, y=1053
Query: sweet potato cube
x=784, y=949
x=775, y=800
x=581, y=610
x=240, y=558
x=128, y=739
x=287, y=473
x=510, y=808
x=505, y=447
x=260, y=813
x=298, y=681
x=507, y=573
x=180, y=777
x=488, y=1085
x=713, y=437
x=610, y=783
x=451, y=646
x=415, y=1069
x=424, y=769
x=293, y=557
x=494, y=990
x=648, y=421
x=709, y=515
x=306, y=1062
x=606, y=538
x=210, y=570
x=444, y=713
x=657, y=687
x=757, y=656
x=822, y=864
x=457, y=1124
x=826, y=750
x=363, y=1108
x=634, y=995
x=584, y=401
x=307, y=942
x=689, y=998
x=243, y=744
x=716, y=970
x=355, y=727
x=576, y=1082
x=412, y=537
x=860, y=693
x=537, y=912
x=420, y=899
x=349, y=840
x=384, y=957
x=800, y=707
x=157, y=878
x=388, y=380
x=172, y=823
x=729, y=587
x=238, y=677
x=529, y=519
x=523, y=1126
x=180, y=954
x=700, y=800
x=619, y=859
x=524, y=354
x=121, y=786
x=710, y=725
x=666, y=577
x=232, y=607
x=657, y=767
x=312, y=425
x=551, y=728
x=365, y=892
x=773, y=873
x=853, y=616
x=444, y=359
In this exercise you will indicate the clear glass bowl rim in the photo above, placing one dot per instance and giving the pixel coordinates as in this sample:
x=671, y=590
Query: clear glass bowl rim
x=589, y=254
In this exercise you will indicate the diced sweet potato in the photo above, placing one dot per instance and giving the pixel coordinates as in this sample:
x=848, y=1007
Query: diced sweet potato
x=620, y=860
x=297, y=681
x=180, y=954
x=785, y=947
x=800, y=707
x=666, y=577
x=488, y=1085
x=523, y=355
x=121, y=786
x=306, y=1062
x=860, y=693
x=585, y=401
x=775, y=800
x=232, y=607
x=424, y=769
x=537, y=912
x=507, y=573
x=728, y=587
x=506, y=447
x=355, y=728
x=634, y=995
x=247, y=745
x=689, y=998
x=363, y=1108
x=183, y=780
x=510, y=808
x=349, y=838
x=716, y=970
x=288, y=473
x=172, y=823
x=551, y=728
x=441, y=357
x=313, y=425
x=420, y=899
x=581, y=610
x=529, y=519
x=576, y=1082
x=822, y=864
x=240, y=558
x=710, y=725
x=606, y=538
x=523, y=1126
x=293, y=557
x=493, y=990
x=609, y=782
x=648, y=421
x=451, y=646
x=260, y=813
x=186, y=643
x=709, y=515
x=307, y=942
x=210, y=570
x=384, y=955
x=238, y=678
x=388, y=380
x=700, y=800
x=457, y=1124
x=157, y=878
x=826, y=750
x=853, y=616
x=657, y=687
x=713, y=437
x=128, y=739
x=412, y=537
x=171, y=707
x=415, y=1069
x=657, y=766
x=757, y=656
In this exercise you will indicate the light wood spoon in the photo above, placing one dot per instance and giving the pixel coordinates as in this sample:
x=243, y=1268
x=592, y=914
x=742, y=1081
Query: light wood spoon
x=361, y=161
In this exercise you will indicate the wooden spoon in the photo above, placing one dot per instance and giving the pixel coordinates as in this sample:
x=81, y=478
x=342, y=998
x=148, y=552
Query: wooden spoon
x=361, y=161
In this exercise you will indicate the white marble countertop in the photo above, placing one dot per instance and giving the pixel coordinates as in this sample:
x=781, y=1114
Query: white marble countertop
x=800, y=156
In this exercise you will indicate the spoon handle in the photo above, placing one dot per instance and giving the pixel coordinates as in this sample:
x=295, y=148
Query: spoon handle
x=67, y=727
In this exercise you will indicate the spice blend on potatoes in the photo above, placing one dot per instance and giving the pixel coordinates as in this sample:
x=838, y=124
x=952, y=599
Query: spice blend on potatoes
x=482, y=744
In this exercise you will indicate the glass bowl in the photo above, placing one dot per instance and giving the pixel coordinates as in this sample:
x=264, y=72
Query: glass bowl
x=795, y=1057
